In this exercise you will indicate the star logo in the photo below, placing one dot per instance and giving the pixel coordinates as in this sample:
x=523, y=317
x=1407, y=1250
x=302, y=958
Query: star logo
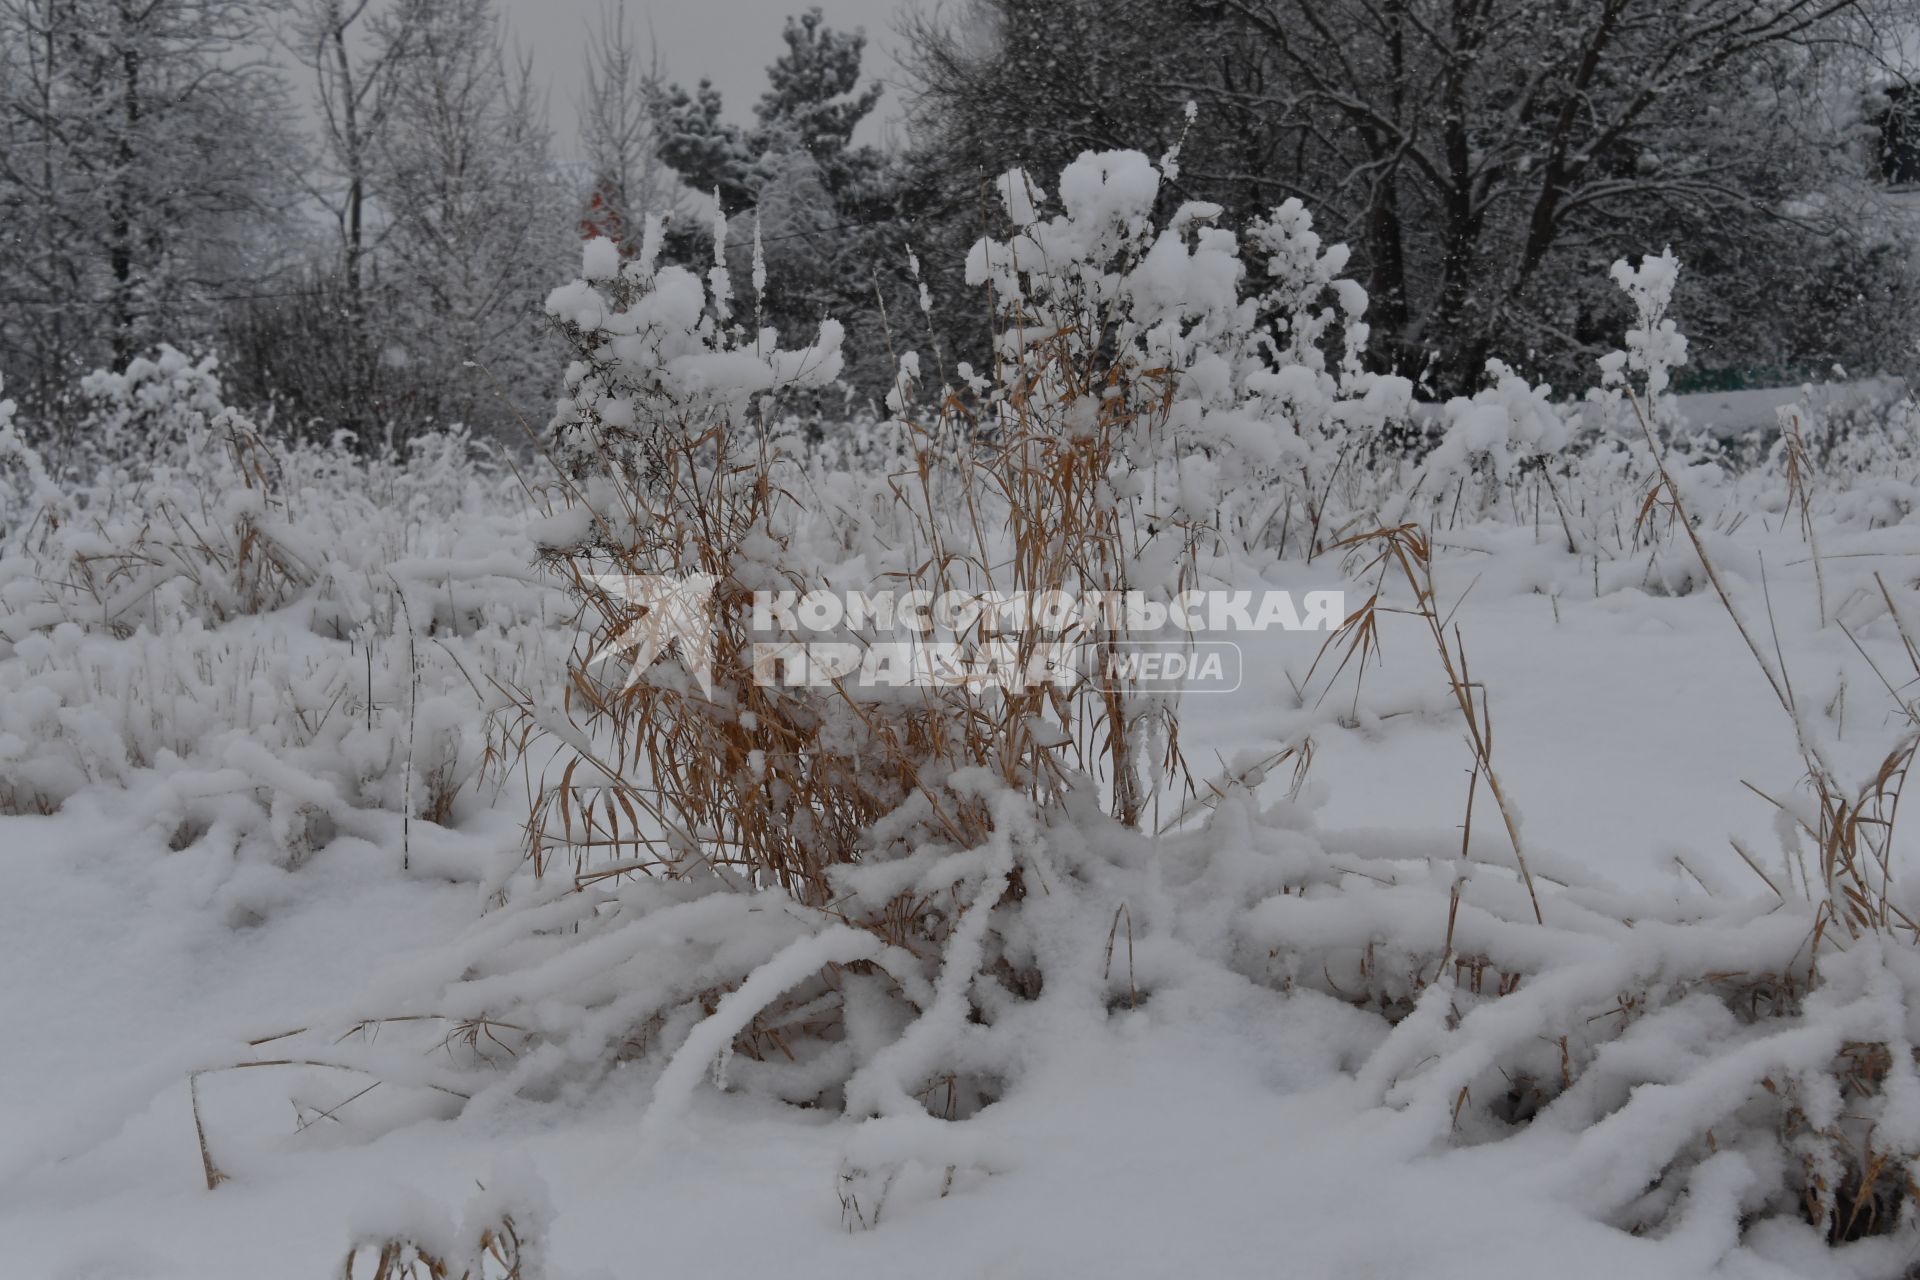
x=672, y=613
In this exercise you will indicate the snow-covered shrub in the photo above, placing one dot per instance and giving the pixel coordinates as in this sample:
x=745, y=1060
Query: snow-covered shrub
x=258, y=648
x=1237, y=369
x=28, y=493
x=871, y=890
x=847, y=874
x=131, y=419
x=1854, y=459
x=161, y=399
x=1506, y=426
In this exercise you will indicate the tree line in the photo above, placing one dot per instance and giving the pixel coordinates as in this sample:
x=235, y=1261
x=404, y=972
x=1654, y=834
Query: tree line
x=358, y=203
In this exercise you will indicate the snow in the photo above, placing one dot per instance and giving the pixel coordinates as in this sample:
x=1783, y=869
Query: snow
x=1214, y=1132
x=599, y=259
x=1755, y=410
x=266, y=791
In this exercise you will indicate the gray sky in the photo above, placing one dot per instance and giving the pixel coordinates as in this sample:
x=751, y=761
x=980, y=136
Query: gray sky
x=728, y=41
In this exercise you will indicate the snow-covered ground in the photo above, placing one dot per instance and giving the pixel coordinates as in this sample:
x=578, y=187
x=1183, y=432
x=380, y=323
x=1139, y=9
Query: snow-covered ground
x=1738, y=413
x=1221, y=1133
x=285, y=979
x=1217, y=1138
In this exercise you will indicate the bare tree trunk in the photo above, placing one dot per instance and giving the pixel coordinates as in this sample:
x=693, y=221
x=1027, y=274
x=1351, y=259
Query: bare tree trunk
x=120, y=250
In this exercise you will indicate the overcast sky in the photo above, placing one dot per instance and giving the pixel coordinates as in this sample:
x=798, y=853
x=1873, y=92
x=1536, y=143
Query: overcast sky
x=728, y=41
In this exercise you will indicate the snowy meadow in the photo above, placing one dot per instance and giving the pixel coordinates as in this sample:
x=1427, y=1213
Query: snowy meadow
x=1549, y=912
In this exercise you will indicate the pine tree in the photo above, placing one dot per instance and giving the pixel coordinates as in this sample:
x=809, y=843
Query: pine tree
x=813, y=103
x=710, y=154
x=828, y=211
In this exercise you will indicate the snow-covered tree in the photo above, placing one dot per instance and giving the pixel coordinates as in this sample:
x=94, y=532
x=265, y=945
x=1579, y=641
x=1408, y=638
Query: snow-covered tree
x=827, y=211
x=1482, y=156
x=476, y=215
x=626, y=178
x=708, y=152
x=139, y=140
x=313, y=347
x=814, y=102
x=354, y=52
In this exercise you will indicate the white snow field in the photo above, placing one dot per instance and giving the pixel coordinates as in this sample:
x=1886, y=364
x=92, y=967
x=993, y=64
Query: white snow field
x=1562, y=928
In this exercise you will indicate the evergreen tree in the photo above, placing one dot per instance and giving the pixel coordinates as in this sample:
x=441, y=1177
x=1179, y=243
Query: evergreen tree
x=829, y=213
x=813, y=104
x=710, y=155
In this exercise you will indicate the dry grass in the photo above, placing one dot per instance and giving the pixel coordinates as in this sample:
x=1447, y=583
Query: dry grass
x=1850, y=1184
x=235, y=565
x=1406, y=552
x=1853, y=829
x=496, y=1255
x=775, y=785
x=1849, y=1180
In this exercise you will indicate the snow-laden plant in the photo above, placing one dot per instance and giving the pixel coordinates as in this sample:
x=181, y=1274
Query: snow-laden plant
x=902, y=836
x=659, y=359
x=675, y=472
x=1244, y=353
x=846, y=879
x=29, y=491
x=1853, y=459
x=900, y=902
x=1340, y=413
x=258, y=647
x=1759, y=1053
x=1489, y=442
x=150, y=411
x=1655, y=347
